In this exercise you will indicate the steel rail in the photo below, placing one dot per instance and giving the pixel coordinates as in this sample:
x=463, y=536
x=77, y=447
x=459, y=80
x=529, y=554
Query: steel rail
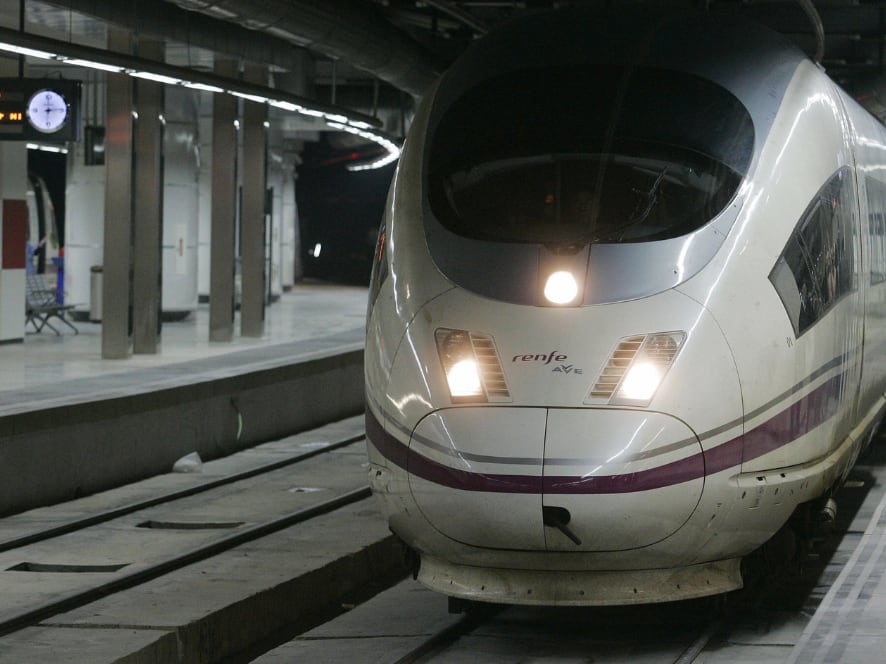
x=196, y=554
x=437, y=643
x=108, y=515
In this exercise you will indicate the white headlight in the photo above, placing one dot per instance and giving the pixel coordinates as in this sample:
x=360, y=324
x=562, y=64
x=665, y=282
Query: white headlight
x=561, y=288
x=471, y=366
x=464, y=379
x=641, y=381
x=636, y=369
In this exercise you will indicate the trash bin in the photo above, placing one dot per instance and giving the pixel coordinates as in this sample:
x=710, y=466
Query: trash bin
x=95, y=293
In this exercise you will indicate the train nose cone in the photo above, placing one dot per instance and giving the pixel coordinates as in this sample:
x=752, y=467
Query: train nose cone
x=627, y=478
x=555, y=479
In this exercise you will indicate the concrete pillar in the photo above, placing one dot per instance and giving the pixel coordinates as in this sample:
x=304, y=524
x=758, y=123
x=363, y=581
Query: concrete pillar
x=290, y=260
x=147, y=261
x=253, y=223
x=117, y=254
x=181, y=202
x=204, y=193
x=275, y=236
x=224, y=210
x=299, y=81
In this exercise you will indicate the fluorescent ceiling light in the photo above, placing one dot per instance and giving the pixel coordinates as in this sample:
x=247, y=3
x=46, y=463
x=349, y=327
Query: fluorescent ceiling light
x=389, y=158
x=92, y=58
x=89, y=64
x=202, y=86
x=151, y=76
x=285, y=105
x=250, y=97
x=46, y=148
x=393, y=151
x=21, y=50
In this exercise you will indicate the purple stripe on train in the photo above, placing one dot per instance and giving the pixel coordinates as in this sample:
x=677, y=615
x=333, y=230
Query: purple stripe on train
x=798, y=419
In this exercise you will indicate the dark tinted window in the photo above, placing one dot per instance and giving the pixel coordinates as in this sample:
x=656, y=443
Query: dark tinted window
x=818, y=264
x=876, y=195
x=579, y=154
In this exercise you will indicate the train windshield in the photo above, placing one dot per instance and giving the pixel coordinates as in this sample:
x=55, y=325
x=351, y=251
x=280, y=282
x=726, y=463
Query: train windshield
x=588, y=154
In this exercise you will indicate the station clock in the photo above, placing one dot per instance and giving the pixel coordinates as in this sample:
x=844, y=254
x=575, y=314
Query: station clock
x=47, y=111
x=39, y=109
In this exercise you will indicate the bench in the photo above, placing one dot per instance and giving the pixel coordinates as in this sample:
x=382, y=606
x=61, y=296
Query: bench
x=41, y=304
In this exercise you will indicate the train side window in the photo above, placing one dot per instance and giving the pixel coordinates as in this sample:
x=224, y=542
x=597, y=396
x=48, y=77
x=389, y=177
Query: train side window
x=818, y=265
x=876, y=197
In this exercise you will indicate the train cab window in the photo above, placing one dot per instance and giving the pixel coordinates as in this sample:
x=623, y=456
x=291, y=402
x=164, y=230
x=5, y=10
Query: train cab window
x=876, y=197
x=818, y=264
x=587, y=154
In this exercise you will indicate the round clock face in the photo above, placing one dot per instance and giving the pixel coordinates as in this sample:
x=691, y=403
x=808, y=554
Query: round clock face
x=47, y=111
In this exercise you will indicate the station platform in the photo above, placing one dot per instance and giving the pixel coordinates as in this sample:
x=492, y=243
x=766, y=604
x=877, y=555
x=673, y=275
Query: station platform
x=72, y=423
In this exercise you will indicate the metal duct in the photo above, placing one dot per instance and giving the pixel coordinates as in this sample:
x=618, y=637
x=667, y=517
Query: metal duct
x=817, y=26
x=341, y=29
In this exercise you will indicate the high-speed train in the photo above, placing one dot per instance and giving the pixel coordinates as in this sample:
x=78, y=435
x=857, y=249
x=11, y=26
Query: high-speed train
x=626, y=316
x=42, y=230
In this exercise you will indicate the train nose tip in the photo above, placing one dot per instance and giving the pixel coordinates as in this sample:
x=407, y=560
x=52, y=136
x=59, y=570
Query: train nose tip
x=608, y=480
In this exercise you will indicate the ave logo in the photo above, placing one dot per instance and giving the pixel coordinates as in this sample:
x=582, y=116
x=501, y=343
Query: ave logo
x=546, y=358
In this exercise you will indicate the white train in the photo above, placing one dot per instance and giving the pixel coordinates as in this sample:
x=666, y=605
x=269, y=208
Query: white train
x=627, y=312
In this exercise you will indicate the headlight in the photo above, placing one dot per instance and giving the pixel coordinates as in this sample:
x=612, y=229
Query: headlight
x=561, y=288
x=641, y=381
x=470, y=363
x=463, y=379
x=636, y=368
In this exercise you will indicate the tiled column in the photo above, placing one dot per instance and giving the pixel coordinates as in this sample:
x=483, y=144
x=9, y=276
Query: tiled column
x=252, y=228
x=224, y=210
x=147, y=260
x=117, y=260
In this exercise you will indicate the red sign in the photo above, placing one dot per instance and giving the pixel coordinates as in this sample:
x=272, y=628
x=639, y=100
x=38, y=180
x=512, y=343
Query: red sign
x=15, y=227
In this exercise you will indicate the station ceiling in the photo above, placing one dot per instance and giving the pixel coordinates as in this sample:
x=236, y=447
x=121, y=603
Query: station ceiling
x=384, y=50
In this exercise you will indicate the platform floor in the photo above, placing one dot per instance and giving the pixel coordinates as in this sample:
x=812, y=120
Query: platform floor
x=46, y=367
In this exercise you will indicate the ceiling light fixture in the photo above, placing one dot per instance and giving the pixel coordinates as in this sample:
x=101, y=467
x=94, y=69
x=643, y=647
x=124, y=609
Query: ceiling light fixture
x=335, y=117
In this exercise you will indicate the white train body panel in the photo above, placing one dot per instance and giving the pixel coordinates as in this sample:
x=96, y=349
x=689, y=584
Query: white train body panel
x=550, y=487
x=803, y=150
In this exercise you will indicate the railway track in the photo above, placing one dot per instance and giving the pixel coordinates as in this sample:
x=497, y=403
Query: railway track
x=446, y=644
x=104, y=516
x=761, y=622
x=196, y=523
x=83, y=559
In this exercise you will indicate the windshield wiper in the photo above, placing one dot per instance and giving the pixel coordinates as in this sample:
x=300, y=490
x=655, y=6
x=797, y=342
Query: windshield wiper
x=651, y=201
